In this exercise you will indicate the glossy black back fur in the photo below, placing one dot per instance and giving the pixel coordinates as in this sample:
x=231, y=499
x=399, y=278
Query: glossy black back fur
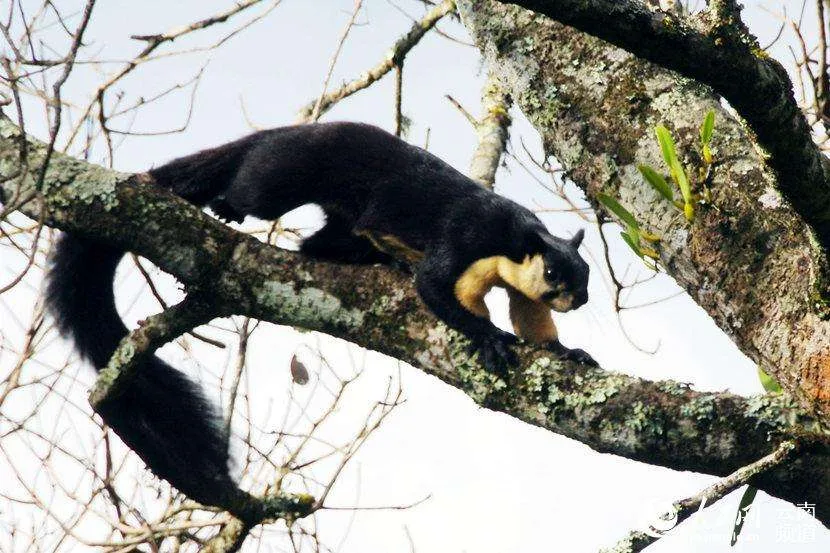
x=364, y=177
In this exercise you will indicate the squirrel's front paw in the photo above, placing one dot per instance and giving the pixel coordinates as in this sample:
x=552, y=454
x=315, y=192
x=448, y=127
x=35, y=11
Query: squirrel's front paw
x=494, y=352
x=566, y=354
x=580, y=356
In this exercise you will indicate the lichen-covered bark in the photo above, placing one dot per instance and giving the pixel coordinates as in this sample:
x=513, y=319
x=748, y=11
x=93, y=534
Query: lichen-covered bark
x=491, y=131
x=747, y=258
x=662, y=423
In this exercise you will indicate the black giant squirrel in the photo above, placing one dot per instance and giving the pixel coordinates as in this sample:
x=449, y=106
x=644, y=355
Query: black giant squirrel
x=384, y=201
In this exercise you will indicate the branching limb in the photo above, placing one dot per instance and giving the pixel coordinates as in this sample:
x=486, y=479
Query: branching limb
x=127, y=359
x=141, y=343
x=284, y=506
x=638, y=540
x=154, y=291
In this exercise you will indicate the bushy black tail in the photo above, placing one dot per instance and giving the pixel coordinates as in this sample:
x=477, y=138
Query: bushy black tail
x=160, y=415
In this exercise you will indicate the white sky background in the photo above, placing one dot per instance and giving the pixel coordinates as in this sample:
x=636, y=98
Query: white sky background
x=496, y=485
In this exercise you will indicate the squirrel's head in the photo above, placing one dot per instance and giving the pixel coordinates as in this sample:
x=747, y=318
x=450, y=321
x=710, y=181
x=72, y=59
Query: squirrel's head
x=564, y=275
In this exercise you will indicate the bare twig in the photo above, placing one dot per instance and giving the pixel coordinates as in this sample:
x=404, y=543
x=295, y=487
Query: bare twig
x=69, y=63
x=241, y=357
x=315, y=112
x=398, y=52
x=154, y=41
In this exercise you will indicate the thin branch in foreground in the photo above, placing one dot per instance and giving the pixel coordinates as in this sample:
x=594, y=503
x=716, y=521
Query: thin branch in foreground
x=637, y=540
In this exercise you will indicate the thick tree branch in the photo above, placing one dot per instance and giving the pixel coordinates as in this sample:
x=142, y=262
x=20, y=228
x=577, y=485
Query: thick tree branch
x=702, y=48
x=747, y=258
x=662, y=423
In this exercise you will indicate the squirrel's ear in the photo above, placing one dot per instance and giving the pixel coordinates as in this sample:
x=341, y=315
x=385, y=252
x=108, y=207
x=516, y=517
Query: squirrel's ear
x=577, y=239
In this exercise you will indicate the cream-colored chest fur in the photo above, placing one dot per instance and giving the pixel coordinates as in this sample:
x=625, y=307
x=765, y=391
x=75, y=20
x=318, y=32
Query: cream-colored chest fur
x=525, y=283
x=527, y=277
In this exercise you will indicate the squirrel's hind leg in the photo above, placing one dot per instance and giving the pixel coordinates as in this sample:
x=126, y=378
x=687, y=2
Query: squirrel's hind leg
x=336, y=242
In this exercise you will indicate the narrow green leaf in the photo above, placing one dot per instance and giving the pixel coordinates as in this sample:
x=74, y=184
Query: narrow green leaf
x=707, y=128
x=657, y=181
x=631, y=244
x=768, y=382
x=670, y=155
x=614, y=206
x=743, y=510
x=666, y=145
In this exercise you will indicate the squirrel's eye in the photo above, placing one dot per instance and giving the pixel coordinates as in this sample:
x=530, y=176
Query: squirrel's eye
x=550, y=273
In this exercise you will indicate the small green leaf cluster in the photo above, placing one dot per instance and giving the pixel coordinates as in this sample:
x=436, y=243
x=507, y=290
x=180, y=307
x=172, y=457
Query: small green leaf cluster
x=679, y=174
x=640, y=241
x=637, y=239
